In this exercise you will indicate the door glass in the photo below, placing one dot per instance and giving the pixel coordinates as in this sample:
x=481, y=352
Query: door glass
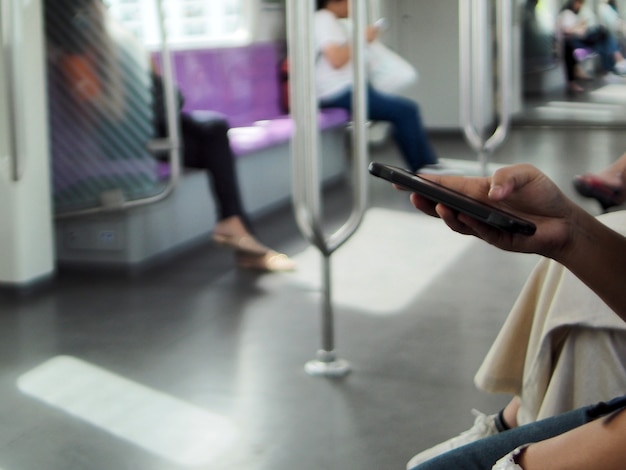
x=100, y=108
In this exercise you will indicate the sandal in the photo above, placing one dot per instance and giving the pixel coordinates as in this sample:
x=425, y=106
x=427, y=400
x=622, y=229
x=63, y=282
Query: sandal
x=593, y=187
x=244, y=244
x=271, y=261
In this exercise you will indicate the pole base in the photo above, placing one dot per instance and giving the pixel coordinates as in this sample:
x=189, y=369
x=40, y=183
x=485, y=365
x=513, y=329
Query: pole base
x=327, y=365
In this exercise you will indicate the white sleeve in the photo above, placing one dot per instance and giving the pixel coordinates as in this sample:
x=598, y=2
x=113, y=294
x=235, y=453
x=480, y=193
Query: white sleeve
x=328, y=30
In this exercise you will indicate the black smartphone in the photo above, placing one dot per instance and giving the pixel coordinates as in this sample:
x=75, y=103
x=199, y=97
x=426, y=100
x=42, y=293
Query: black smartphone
x=453, y=199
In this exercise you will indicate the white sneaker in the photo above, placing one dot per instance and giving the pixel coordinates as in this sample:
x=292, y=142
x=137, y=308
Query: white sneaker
x=613, y=78
x=620, y=67
x=439, y=169
x=484, y=426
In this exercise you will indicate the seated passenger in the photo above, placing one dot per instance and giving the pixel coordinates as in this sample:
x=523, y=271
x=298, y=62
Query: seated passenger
x=101, y=89
x=546, y=353
x=576, y=32
x=334, y=83
x=611, y=19
x=589, y=437
x=206, y=146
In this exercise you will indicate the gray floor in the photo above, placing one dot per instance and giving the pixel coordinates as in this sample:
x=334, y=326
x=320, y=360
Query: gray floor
x=198, y=365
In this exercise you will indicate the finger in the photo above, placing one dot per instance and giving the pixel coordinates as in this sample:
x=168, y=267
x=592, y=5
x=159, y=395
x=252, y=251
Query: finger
x=423, y=204
x=451, y=218
x=505, y=180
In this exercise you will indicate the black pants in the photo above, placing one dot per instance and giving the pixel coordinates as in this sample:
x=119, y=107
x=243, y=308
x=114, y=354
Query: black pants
x=206, y=146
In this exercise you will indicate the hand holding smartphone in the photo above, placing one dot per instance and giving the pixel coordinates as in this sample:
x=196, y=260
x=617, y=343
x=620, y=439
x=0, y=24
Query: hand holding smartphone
x=453, y=199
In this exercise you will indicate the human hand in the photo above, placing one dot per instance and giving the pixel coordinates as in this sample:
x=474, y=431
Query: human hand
x=371, y=33
x=520, y=189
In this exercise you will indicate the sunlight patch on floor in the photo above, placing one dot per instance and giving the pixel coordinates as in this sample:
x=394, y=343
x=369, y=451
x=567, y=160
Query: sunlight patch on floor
x=613, y=93
x=386, y=264
x=163, y=425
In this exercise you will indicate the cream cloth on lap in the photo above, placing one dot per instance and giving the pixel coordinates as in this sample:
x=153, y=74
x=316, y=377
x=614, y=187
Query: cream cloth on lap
x=561, y=347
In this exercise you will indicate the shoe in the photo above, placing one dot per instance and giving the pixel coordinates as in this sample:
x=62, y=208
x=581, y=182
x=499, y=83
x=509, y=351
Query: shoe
x=574, y=88
x=484, y=426
x=243, y=244
x=593, y=187
x=612, y=78
x=271, y=261
x=438, y=169
x=620, y=67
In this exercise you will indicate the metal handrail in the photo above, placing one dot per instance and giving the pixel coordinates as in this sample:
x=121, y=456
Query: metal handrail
x=170, y=144
x=305, y=158
x=12, y=91
x=473, y=66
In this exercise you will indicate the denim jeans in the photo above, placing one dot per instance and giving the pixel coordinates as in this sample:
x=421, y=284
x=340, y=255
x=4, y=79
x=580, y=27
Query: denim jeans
x=483, y=454
x=403, y=114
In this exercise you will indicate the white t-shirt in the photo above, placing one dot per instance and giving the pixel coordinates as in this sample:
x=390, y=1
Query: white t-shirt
x=567, y=20
x=329, y=30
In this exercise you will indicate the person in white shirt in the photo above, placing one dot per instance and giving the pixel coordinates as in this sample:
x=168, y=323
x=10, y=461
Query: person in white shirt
x=334, y=83
x=576, y=32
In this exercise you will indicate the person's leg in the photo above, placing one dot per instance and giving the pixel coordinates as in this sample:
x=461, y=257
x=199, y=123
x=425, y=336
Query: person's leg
x=409, y=131
x=206, y=146
x=485, y=453
x=570, y=66
x=403, y=114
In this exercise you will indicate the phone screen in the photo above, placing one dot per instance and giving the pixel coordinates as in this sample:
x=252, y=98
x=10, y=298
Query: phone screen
x=453, y=199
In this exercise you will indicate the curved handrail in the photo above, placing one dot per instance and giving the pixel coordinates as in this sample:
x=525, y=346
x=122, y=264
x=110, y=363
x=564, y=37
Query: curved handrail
x=305, y=144
x=171, y=144
x=472, y=22
x=9, y=56
x=305, y=158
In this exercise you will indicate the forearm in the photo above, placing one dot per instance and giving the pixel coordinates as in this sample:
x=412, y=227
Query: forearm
x=599, y=444
x=597, y=255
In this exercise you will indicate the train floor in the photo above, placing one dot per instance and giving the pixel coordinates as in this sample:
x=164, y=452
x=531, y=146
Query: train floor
x=199, y=365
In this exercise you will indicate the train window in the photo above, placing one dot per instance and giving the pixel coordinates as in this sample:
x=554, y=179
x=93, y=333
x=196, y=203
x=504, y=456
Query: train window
x=189, y=23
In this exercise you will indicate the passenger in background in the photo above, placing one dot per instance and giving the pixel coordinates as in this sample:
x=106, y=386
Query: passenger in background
x=92, y=74
x=586, y=438
x=576, y=32
x=206, y=146
x=611, y=19
x=335, y=84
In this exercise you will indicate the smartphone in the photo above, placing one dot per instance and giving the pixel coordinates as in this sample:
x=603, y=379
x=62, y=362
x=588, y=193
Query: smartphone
x=382, y=24
x=453, y=199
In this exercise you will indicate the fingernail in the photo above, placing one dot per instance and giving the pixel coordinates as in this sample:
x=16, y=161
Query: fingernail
x=495, y=191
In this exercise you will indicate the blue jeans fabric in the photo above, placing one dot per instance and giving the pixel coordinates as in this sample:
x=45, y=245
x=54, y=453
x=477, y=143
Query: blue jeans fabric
x=483, y=454
x=602, y=42
x=403, y=114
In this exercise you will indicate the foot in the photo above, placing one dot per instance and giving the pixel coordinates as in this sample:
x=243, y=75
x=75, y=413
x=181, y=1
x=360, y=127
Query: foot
x=594, y=187
x=620, y=67
x=438, y=169
x=232, y=233
x=271, y=261
x=574, y=88
x=484, y=426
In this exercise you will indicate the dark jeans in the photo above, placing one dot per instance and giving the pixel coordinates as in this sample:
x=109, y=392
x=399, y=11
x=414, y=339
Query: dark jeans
x=483, y=454
x=206, y=146
x=403, y=114
x=600, y=40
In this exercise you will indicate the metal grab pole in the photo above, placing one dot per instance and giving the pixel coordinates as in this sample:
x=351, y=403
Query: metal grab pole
x=305, y=159
x=10, y=23
x=473, y=66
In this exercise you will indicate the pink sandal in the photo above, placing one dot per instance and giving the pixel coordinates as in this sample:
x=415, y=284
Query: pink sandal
x=593, y=187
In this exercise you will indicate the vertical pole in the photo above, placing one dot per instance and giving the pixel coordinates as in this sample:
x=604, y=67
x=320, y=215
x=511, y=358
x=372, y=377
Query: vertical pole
x=305, y=159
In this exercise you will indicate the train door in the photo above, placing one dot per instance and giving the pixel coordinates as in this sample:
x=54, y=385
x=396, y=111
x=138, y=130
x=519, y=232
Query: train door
x=26, y=240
